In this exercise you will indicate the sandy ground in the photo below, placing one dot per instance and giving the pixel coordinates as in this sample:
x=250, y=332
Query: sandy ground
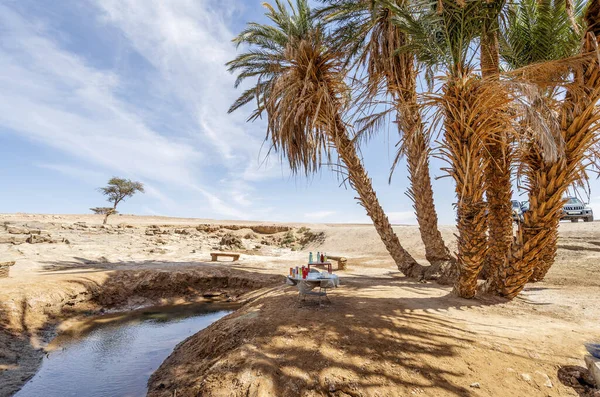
x=382, y=335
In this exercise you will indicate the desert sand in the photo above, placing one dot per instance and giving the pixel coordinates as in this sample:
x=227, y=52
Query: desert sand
x=381, y=335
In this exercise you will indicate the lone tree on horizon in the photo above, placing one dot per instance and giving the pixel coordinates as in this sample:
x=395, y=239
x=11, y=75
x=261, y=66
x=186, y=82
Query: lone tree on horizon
x=117, y=190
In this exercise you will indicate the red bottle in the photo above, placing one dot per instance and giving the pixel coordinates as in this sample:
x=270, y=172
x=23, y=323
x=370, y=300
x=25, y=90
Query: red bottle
x=322, y=258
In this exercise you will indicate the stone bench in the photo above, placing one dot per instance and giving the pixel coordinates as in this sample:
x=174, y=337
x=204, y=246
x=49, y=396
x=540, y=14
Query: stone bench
x=341, y=261
x=215, y=255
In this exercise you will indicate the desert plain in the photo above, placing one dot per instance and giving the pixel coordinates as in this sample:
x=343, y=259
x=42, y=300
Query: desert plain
x=381, y=335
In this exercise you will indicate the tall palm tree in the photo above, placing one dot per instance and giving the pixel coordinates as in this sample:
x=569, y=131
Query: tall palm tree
x=579, y=118
x=536, y=34
x=364, y=30
x=473, y=110
x=300, y=86
x=499, y=151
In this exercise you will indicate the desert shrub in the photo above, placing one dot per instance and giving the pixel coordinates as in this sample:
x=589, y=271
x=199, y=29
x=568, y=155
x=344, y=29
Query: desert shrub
x=310, y=237
x=288, y=238
x=231, y=240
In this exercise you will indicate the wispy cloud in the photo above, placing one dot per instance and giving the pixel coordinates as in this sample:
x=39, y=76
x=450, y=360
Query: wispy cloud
x=74, y=172
x=57, y=98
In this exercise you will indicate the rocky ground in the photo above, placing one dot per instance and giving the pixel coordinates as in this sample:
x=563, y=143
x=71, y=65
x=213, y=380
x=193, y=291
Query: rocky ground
x=382, y=335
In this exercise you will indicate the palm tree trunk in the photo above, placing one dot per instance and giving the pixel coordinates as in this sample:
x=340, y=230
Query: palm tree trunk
x=579, y=130
x=414, y=143
x=540, y=228
x=420, y=190
x=498, y=172
x=361, y=182
x=463, y=149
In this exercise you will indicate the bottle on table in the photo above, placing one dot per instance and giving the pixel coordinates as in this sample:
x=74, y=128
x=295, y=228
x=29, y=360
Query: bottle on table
x=325, y=255
x=322, y=258
x=318, y=257
x=310, y=257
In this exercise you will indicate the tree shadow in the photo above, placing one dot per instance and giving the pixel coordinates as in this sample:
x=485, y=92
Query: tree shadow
x=357, y=345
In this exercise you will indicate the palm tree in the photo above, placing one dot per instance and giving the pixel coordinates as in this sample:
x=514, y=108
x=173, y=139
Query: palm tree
x=473, y=110
x=499, y=151
x=300, y=86
x=364, y=29
x=538, y=34
x=579, y=118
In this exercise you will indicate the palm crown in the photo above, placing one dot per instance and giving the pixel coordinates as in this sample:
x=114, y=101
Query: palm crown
x=299, y=82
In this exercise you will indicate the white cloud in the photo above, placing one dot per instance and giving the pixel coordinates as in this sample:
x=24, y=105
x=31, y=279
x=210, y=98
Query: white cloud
x=188, y=43
x=56, y=98
x=74, y=172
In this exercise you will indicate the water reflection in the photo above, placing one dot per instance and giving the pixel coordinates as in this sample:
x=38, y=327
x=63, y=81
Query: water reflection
x=116, y=356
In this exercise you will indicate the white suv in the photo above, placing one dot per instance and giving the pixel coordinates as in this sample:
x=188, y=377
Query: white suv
x=574, y=209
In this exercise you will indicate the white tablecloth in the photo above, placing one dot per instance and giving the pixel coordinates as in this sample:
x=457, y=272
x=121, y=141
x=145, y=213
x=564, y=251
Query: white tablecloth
x=314, y=280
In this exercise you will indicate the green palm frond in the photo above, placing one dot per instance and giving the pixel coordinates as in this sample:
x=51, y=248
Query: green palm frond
x=297, y=81
x=535, y=31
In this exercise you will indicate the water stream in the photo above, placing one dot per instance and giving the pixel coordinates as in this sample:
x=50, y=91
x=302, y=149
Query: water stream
x=115, y=355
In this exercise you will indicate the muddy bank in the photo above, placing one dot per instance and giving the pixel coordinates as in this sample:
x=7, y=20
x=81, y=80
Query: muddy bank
x=29, y=322
x=366, y=343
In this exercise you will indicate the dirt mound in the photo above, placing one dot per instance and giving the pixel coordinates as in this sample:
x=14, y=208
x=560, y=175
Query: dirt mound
x=135, y=287
x=360, y=345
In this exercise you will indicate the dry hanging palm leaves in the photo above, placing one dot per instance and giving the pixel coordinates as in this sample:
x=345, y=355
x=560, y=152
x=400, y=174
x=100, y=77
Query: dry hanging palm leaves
x=498, y=149
x=301, y=88
x=306, y=103
x=368, y=30
x=548, y=184
x=473, y=111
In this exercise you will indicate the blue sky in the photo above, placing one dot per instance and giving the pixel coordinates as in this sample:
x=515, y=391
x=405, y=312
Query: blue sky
x=138, y=88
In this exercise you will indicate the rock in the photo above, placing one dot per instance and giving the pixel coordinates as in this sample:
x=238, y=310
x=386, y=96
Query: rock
x=212, y=294
x=17, y=230
x=593, y=365
x=526, y=377
x=543, y=379
x=81, y=225
x=269, y=229
x=184, y=232
x=16, y=240
x=37, y=239
x=475, y=385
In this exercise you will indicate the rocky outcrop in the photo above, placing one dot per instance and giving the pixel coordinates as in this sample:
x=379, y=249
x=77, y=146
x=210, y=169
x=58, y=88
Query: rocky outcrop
x=261, y=229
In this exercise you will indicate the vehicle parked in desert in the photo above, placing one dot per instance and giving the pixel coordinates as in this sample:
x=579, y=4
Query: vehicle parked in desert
x=517, y=211
x=575, y=209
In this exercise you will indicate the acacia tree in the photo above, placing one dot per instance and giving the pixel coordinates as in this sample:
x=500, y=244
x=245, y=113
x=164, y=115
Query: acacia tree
x=117, y=190
x=300, y=86
x=366, y=32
